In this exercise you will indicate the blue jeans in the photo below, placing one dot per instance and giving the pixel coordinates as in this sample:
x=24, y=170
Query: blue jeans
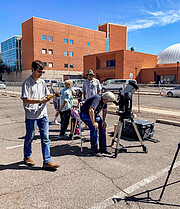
x=43, y=125
x=93, y=133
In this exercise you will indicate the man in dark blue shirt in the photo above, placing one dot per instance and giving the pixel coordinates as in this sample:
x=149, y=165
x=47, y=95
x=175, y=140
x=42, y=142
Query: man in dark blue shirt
x=90, y=116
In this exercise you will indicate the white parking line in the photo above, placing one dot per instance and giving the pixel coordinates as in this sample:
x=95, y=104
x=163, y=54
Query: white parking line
x=21, y=145
x=109, y=201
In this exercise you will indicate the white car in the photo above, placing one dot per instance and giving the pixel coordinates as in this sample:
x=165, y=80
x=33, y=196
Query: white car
x=175, y=92
x=2, y=86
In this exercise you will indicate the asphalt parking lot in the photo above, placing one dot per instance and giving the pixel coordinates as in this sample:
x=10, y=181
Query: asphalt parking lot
x=84, y=181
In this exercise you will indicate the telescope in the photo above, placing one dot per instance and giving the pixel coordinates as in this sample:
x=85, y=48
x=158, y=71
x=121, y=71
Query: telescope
x=124, y=102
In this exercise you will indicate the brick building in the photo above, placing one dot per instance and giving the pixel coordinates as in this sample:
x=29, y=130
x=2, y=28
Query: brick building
x=119, y=64
x=61, y=46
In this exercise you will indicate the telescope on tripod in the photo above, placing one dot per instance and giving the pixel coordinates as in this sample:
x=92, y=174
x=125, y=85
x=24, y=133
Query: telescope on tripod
x=124, y=102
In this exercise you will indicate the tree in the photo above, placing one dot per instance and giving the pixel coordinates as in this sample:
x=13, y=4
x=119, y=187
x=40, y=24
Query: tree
x=4, y=68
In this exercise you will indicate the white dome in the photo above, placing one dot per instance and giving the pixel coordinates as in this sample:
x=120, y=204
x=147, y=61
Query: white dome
x=170, y=54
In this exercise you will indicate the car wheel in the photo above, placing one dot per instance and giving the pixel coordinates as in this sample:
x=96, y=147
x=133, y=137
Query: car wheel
x=170, y=94
x=103, y=90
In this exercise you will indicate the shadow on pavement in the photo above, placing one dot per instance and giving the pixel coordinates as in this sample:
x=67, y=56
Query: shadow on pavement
x=18, y=166
x=144, y=197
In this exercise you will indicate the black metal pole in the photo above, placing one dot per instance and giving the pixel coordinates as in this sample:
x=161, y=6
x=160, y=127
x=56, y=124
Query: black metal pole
x=169, y=172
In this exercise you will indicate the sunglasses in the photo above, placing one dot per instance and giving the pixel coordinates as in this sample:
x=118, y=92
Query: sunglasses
x=40, y=71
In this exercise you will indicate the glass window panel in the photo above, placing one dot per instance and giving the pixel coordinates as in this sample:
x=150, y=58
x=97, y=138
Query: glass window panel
x=71, y=41
x=88, y=43
x=44, y=51
x=65, y=53
x=50, y=38
x=71, y=54
x=50, y=51
x=66, y=40
x=65, y=65
x=50, y=64
x=71, y=66
x=43, y=37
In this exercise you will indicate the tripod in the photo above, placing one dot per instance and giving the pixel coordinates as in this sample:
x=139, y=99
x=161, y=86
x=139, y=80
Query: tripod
x=169, y=172
x=120, y=128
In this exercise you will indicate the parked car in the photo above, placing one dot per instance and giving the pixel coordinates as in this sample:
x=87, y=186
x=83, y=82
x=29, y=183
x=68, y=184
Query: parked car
x=2, y=86
x=115, y=84
x=78, y=82
x=175, y=92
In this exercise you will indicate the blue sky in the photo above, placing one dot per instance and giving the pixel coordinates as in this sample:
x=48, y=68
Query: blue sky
x=152, y=24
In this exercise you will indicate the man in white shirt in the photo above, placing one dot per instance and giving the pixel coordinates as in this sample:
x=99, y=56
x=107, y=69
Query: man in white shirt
x=91, y=86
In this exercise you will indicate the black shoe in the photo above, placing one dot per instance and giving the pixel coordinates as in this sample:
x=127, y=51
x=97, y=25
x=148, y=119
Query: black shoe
x=95, y=153
x=70, y=136
x=104, y=151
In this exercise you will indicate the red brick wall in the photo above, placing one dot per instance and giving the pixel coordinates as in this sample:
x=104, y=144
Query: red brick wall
x=27, y=44
x=137, y=60
x=59, y=31
x=117, y=36
x=126, y=62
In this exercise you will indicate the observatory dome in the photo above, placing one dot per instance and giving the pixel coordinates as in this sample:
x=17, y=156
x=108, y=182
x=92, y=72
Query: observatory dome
x=170, y=54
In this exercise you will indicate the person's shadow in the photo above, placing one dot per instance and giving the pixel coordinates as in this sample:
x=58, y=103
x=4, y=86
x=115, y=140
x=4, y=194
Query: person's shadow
x=18, y=166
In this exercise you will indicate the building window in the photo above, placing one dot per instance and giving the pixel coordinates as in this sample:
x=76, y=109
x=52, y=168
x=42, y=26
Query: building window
x=65, y=65
x=66, y=40
x=65, y=53
x=71, y=66
x=71, y=41
x=71, y=54
x=88, y=54
x=45, y=63
x=50, y=51
x=50, y=64
x=43, y=37
x=110, y=63
x=107, y=44
x=88, y=43
x=50, y=38
x=44, y=51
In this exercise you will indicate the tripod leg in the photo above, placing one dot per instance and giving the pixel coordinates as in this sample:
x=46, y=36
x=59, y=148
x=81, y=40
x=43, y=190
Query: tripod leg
x=81, y=134
x=139, y=136
x=115, y=134
x=119, y=136
x=169, y=172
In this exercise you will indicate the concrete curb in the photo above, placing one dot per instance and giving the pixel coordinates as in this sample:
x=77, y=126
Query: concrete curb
x=168, y=122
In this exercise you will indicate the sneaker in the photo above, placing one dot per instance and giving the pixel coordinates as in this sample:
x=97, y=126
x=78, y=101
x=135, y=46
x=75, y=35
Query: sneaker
x=104, y=151
x=50, y=166
x=56, y=122
x=28, y=161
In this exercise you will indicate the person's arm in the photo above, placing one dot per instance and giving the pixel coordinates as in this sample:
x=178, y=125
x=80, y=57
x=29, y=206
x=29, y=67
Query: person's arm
x=99, y=88
x=92, y=116
x=60, y=108
x=84, y=95
x=35, y=101
x=104, y=112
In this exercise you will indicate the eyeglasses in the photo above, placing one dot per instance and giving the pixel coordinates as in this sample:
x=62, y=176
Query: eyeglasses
x=40, y=71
